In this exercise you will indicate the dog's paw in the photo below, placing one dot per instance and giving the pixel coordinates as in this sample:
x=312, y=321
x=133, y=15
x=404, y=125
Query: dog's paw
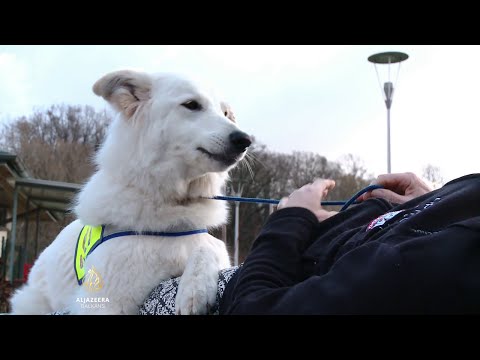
x=195, y=297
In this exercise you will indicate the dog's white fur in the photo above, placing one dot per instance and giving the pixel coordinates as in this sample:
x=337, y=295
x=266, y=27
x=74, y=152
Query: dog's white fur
x=151, y=176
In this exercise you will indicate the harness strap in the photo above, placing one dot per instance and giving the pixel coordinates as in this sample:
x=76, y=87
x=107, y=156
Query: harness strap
x=92, y=236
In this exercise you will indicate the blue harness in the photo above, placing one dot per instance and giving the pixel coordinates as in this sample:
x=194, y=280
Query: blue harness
x=92, y=236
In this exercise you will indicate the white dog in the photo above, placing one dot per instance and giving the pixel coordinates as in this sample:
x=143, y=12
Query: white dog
x=168, y=150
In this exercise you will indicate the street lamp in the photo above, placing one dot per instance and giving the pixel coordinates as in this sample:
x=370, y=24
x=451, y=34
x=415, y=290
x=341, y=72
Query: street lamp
x=238, y=193
x=387, y=59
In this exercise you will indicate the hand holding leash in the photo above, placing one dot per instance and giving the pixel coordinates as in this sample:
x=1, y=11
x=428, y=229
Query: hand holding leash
x=310, y=197
x=398, y=188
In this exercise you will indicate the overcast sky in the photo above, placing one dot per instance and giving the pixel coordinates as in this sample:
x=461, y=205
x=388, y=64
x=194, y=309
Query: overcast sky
x=323, y=99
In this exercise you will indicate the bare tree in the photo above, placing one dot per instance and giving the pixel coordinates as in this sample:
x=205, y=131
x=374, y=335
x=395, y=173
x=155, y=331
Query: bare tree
x=57, y=143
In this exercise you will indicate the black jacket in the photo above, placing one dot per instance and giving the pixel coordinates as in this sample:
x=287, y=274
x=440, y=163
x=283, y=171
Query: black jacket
x=374, y=258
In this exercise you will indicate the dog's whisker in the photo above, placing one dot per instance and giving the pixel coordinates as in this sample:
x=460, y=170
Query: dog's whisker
x=246, y=164
x=254, y=159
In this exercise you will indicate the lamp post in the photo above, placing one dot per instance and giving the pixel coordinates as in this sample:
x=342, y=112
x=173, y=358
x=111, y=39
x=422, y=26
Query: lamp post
x=238, y=193
x=387, y=59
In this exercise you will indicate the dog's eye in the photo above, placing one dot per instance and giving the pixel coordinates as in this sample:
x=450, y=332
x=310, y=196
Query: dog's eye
x=192, y=105
x=225, y=113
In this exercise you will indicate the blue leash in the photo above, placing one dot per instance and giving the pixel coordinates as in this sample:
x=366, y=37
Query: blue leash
x=345, y=204
x=358, y=194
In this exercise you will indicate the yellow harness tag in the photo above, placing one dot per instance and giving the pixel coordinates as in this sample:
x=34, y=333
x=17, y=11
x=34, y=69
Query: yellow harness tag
x=89, y=238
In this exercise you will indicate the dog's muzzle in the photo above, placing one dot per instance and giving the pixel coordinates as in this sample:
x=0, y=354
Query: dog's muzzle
x=238, y=143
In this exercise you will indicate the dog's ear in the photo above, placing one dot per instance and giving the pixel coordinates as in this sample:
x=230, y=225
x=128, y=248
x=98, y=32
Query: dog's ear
x=227, y=111
x=125, y=89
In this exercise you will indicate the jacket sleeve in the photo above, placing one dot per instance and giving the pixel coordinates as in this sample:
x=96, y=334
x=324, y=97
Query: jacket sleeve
x=271, y=281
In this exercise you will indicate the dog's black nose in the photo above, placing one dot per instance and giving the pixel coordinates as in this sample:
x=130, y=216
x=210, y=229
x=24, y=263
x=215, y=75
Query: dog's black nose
x=240, y=141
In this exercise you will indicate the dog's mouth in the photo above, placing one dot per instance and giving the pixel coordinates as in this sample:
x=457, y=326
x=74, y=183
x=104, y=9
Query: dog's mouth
x=225, y=158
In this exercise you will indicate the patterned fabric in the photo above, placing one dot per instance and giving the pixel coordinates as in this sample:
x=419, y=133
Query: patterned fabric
x=64, y=312
x=161, y=300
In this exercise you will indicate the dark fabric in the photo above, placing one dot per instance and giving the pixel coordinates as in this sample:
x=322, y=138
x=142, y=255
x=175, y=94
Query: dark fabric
x=374, y=258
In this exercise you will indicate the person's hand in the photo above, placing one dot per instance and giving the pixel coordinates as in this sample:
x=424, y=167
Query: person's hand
x=398, y=188
x=309, y=197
